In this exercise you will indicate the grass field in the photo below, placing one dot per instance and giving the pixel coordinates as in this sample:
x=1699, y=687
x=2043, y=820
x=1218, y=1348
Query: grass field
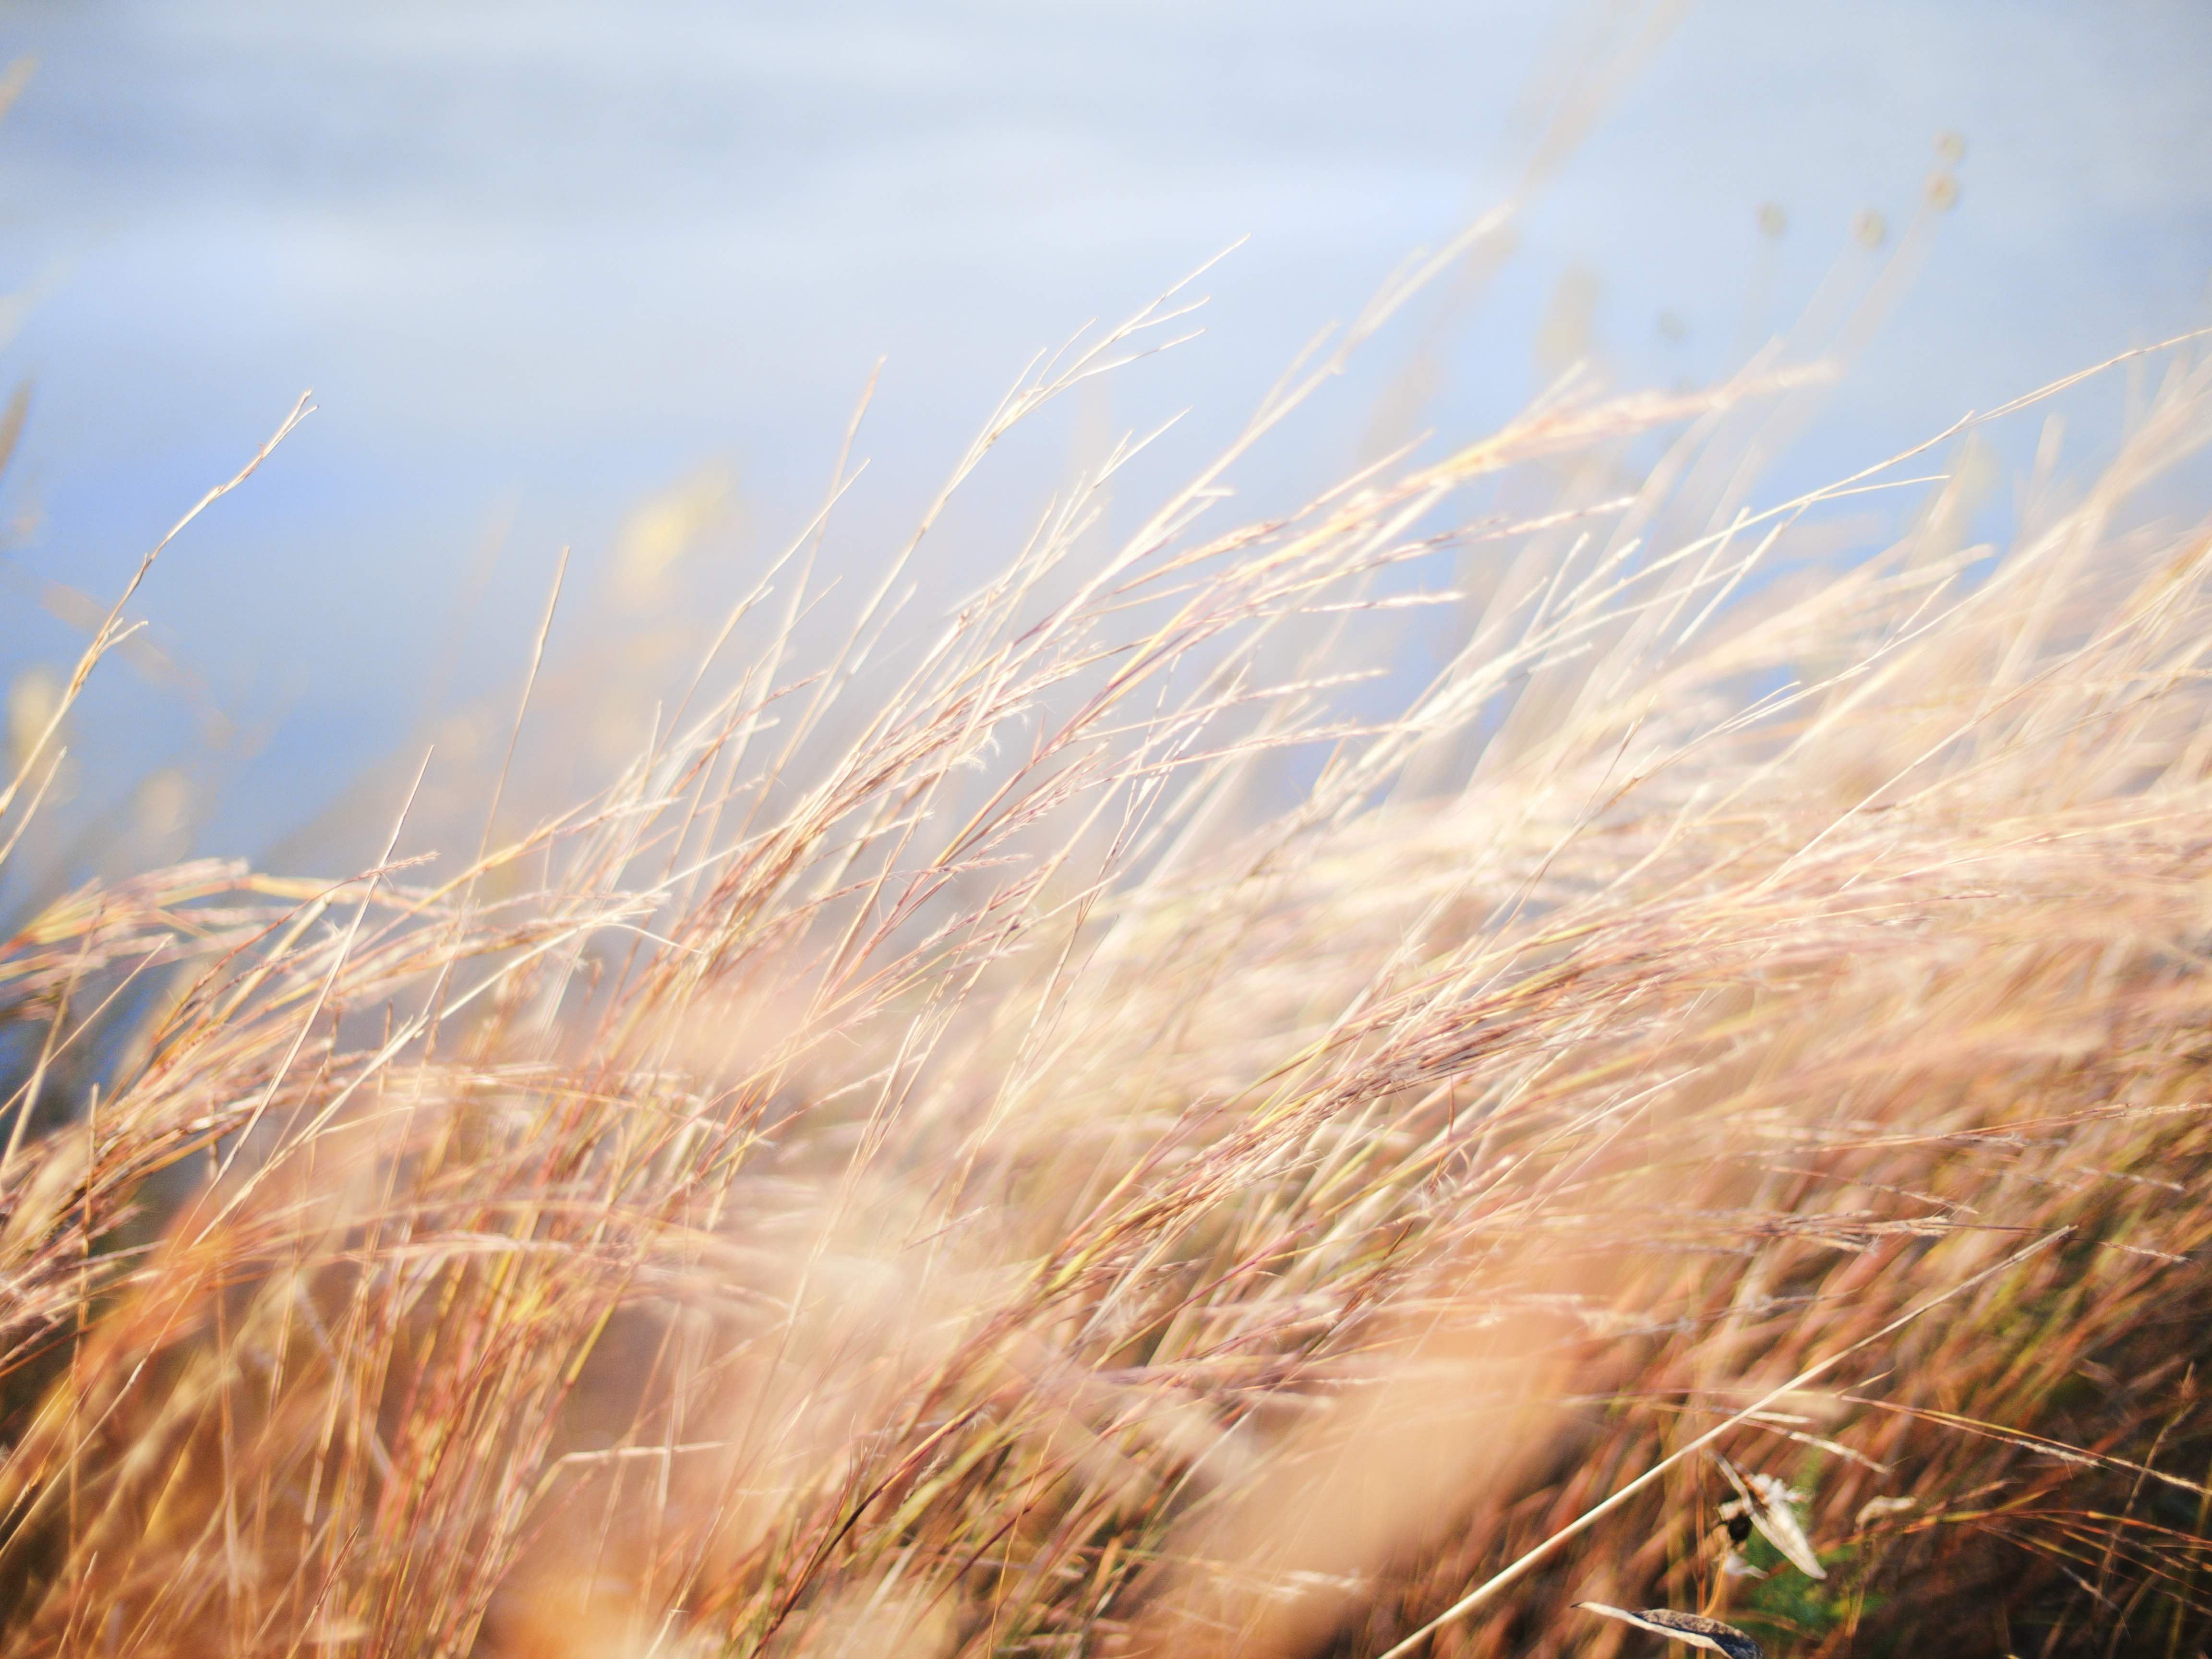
x=1546, y=1028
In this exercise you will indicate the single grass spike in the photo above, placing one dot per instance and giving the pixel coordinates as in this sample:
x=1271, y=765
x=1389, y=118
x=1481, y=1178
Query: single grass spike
x=1692, y=1628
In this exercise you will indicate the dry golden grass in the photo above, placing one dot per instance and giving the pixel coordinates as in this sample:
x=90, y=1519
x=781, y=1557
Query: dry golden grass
x=1073, y=1133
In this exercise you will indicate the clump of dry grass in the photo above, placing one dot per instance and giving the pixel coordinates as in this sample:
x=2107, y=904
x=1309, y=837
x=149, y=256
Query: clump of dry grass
x=962, y=1149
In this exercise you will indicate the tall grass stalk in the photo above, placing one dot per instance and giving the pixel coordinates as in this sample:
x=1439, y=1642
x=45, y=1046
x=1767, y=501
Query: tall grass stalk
x=1146, y=1122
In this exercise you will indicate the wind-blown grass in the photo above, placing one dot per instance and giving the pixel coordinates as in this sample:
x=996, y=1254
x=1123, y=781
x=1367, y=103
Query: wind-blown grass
x=965, y=1148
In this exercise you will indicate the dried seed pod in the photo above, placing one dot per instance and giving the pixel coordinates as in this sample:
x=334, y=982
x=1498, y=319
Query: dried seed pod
x=1693, y=1629
x=1735, y=1516
x=1772, y=1508
x=1874, y=1507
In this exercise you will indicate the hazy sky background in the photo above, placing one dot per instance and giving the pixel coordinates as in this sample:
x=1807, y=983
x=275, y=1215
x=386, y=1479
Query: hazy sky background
x=541, y=260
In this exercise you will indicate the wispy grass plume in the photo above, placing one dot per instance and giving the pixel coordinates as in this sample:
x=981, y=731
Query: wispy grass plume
x=1334, y=1085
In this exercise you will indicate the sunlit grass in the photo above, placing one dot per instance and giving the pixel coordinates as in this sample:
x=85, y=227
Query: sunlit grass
x=1064, y=1131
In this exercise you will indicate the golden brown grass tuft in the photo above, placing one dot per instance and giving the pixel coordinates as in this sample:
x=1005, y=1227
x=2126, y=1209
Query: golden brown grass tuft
x=1076, y=1134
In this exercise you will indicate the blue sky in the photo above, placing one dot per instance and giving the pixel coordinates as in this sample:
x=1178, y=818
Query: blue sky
x=539, y=261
